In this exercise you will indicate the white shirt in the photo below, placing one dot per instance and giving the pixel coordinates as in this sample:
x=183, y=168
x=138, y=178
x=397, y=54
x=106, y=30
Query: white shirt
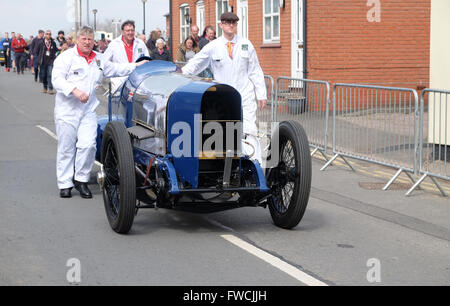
x=71, y=70
x=116, y=53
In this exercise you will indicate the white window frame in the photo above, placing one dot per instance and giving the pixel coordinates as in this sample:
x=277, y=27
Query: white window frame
x=271, y=15
x=242, y=10
x=185, y=28
x=221, y=4
x=200, y=19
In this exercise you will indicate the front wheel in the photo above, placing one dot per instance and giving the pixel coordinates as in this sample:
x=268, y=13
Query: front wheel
x=290, y=181
x=119, y=191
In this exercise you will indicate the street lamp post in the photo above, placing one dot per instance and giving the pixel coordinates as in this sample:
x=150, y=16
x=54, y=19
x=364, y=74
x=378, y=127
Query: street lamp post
x=143, y=3
x=95, y=11
x=87, y=13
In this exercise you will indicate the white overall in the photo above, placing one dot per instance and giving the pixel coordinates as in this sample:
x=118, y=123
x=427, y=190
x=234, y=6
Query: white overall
x=242, y=72
x=76, y=123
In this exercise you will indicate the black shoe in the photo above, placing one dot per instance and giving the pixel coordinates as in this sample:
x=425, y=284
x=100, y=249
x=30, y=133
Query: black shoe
x=83, y=189
x=65, y=193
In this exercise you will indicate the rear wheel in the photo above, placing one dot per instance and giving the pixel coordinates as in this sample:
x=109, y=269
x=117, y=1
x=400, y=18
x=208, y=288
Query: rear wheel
x=119, y=192
x=290, y=181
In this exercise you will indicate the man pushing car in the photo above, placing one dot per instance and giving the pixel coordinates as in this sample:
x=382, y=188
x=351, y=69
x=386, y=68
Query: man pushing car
x=76, y=75
x=233, y=61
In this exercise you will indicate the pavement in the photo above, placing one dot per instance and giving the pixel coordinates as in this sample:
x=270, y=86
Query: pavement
x=351, y=230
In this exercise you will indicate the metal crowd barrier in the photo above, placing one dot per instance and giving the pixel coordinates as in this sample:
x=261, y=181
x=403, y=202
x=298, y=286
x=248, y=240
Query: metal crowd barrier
x=265, y=117
x=376, y=124
x=267, y=114
x=434, y=137
x=306, y=101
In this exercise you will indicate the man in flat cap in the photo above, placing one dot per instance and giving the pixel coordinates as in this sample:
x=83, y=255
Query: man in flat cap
x=233, y=61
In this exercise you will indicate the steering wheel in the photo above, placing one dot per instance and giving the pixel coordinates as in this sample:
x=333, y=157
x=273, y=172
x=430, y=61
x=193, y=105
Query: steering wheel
x=143, y=58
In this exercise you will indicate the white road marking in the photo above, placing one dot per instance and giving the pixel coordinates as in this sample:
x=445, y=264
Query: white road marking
x=51, y=134
x=274, y=261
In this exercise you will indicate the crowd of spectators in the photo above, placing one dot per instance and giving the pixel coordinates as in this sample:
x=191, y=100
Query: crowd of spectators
x=38, y=53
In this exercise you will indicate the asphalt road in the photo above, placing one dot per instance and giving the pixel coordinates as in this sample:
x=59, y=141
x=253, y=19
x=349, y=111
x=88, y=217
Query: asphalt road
x=348, y=236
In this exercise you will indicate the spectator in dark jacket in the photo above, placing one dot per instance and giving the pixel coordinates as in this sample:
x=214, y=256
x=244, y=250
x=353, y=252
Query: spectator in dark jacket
x=4, y=45
x=208, y=35
x=160, y=53
x=154, y=36
x=47, y=51
x=60, y=40
x=33, y=53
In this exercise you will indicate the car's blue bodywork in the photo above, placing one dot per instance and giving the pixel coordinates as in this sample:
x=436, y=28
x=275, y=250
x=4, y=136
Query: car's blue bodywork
x=184, y=97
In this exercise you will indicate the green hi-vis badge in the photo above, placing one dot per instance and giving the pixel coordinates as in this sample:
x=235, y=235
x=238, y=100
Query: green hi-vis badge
x=244, y=47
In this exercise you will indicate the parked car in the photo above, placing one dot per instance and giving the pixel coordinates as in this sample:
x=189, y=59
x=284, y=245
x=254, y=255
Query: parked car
x=2, y=58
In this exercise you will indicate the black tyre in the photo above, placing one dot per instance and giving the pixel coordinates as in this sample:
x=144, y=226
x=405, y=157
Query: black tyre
x=119, y=192
x=290, y=181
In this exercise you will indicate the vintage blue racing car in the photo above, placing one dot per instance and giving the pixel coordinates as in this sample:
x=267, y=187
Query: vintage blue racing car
x=175, y=141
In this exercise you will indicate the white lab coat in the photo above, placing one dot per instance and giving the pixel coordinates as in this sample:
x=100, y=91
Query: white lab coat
x=243, y=72
x=116, y=53
x=76, y=123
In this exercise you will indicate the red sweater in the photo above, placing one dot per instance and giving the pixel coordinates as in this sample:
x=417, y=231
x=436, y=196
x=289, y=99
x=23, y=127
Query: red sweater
x=19, y=46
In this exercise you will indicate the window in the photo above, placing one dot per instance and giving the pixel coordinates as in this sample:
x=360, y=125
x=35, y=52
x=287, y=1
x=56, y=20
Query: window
x=184, y=22
x=201, y=16
x=221, y=7
x=271, y=21
x=243, y=18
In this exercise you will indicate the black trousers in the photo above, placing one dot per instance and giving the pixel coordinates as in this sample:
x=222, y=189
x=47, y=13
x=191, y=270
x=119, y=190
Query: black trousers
x=7, y=61
x=21, y=59
x=46, y=76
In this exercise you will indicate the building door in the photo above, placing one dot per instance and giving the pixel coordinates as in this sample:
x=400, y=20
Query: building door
x=297, y=39
x=242, y=12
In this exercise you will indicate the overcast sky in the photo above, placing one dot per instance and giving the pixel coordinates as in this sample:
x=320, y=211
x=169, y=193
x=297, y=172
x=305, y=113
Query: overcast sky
x=28, y=16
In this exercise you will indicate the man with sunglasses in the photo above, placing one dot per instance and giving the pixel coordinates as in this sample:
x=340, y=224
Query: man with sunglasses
x=233, y=61
x=45, y=57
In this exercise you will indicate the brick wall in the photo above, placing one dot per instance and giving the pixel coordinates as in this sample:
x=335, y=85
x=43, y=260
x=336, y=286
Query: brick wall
x=344, y=47
x=210, y=18
x=275, y=59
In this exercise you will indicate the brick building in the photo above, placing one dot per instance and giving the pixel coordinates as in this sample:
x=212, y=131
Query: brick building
x=383, y=42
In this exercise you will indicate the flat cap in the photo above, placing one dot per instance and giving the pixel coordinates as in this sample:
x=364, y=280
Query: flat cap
x=229, y=16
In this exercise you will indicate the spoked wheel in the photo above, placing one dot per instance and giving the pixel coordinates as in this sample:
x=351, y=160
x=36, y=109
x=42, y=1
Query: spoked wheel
x=290, y=181
x=119, y=191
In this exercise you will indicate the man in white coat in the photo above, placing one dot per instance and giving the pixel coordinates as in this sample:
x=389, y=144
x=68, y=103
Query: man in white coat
x=76, y=75
x=125, y=49
x=233, y=61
